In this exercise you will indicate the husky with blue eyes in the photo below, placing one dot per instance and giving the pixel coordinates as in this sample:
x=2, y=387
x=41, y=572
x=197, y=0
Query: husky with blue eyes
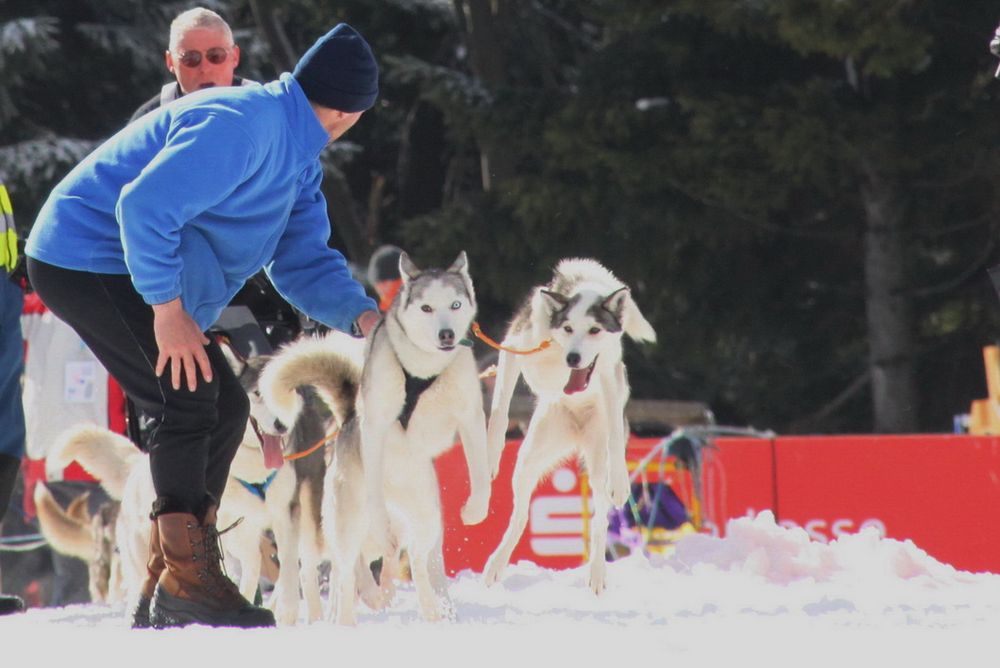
x=400, y=402
x=568, y=343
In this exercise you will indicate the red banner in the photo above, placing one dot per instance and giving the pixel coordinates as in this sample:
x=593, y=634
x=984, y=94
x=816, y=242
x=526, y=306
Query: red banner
x=940, y=491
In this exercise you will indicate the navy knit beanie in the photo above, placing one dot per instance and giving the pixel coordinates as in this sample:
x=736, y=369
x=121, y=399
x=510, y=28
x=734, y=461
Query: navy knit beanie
x=339, y=71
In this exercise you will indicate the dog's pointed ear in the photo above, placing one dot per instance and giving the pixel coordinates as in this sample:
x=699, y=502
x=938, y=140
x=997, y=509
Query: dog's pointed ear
x=77, y=509
x=407, y=269
x=460, y=265
x=615, y=302
x=556, y=301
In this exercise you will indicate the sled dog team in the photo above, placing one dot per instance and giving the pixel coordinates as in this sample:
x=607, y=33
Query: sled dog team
x=395, y=402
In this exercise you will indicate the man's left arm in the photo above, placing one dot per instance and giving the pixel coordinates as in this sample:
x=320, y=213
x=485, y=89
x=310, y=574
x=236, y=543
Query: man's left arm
x=314, y=277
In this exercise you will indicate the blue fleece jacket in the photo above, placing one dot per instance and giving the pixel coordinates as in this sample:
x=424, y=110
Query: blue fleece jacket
x=193, y=199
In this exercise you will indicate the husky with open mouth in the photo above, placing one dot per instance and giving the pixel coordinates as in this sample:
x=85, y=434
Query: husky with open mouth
x=567, y=343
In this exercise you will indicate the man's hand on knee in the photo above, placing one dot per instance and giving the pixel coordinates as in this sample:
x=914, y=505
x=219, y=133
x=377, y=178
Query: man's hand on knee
x=181, y=343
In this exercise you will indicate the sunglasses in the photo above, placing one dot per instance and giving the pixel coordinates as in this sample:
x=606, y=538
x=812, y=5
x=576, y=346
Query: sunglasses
x=216, y=55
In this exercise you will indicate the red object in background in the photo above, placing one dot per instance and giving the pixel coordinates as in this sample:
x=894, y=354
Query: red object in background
x=739, y=481
x=553, y=536
x=940, y=491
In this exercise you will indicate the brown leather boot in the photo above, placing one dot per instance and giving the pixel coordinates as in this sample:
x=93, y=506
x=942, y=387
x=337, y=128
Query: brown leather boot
x=154, y=567
x=193, y=588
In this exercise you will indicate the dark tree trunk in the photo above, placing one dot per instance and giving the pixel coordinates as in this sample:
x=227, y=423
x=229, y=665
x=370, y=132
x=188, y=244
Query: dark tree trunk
x=268, y=17
x=889, y=308
x=349, y=235
x=486, y=24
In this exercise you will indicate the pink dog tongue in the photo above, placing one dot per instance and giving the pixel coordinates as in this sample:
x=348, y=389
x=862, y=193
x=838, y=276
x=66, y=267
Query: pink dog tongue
x=578, y=380
x=271, y=447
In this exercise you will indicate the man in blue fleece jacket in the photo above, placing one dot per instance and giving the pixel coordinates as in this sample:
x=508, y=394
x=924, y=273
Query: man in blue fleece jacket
x=145, y=242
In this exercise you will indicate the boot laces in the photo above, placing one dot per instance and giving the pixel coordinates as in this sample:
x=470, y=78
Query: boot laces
x=212, y=573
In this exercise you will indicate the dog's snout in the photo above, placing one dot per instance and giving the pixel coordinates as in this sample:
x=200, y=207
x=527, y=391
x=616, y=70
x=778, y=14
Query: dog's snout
x=279, y=426
x=573, y=359
x=446, y=337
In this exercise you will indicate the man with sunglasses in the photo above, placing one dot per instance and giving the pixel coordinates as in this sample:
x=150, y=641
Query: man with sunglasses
x=141, y=246
x=201, y=54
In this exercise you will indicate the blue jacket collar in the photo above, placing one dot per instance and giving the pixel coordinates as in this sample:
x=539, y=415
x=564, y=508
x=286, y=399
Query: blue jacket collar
x=306, y=129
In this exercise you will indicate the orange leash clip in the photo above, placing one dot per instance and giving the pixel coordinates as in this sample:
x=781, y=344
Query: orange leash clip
x=490, y=342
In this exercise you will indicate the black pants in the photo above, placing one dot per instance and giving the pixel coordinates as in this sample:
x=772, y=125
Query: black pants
x=198, y=432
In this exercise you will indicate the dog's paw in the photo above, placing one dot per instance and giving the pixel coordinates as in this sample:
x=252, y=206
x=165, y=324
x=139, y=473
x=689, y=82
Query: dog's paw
x=375, y=597
x=598, y=577
x=435, y=607
x=284, y=603
x=493, y=571
x=347, y=618
x=286, y=615
x=475, y=509
x=619, y=488
x=387, y=590
x=448, y=611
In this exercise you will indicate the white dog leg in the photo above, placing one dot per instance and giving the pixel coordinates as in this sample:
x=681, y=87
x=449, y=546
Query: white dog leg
x=344, y=531
x=435, y=568
x=545, y=444
x=242, y=543
x=310, y=554
x=508, y=372
x=595, y=457
x=373, y=435
x=615, y=395
x=423, y=510
x=472, y=431
x=310, y=559
x=346, y=588
x=285, y=597
x=372, y=595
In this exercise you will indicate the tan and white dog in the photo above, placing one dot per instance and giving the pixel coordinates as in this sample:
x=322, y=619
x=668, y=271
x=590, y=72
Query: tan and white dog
x=89, y=537
x=581, y=388
x=401, y=401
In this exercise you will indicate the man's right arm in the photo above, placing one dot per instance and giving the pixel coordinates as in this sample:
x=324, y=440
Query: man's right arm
x=204, y=159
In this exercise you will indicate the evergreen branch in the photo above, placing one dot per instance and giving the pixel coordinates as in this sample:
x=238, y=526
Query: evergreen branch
x=943, y=288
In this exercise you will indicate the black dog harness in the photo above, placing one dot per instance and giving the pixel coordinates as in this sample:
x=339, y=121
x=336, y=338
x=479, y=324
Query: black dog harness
x=414, y=388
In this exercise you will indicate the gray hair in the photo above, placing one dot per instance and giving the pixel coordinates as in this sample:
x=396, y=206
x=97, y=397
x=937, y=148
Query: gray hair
x=198, y=17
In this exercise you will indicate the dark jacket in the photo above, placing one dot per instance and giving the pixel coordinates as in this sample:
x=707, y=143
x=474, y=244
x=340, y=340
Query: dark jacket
x=171, y=92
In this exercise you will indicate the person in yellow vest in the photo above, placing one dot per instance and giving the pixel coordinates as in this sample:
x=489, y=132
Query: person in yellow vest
x=11, y=365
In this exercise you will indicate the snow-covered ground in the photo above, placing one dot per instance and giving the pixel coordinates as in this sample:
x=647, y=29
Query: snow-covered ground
x=762, y=596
